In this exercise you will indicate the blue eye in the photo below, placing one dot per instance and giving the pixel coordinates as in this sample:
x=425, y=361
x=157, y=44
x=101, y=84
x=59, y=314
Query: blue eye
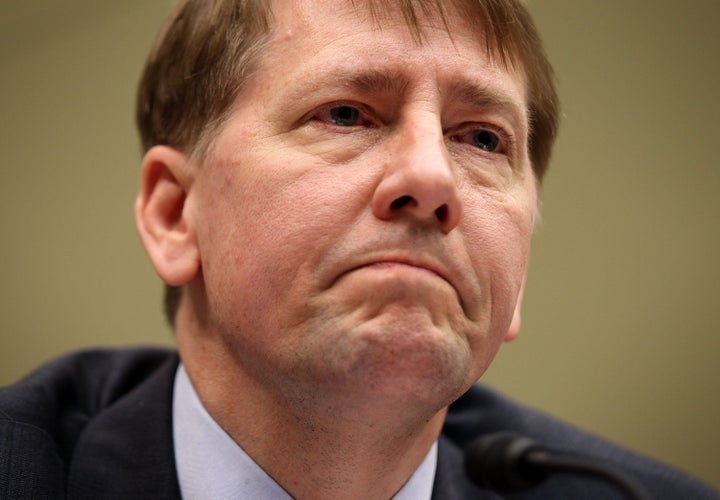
x=486, y=140
x=344, y=116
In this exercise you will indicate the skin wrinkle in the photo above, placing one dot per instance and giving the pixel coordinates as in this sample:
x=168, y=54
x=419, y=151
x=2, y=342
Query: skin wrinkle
x=373, y=248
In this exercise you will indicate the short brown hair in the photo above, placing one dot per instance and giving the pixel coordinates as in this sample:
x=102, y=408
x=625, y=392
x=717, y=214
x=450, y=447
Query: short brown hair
x=206, y=50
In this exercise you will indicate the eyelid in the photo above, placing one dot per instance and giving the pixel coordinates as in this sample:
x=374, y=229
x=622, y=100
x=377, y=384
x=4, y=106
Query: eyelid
x=507, y=139
x=367, y=115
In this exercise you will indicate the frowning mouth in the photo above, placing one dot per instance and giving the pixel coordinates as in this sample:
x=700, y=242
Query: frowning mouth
x=400, y=264
x=390, y=264
x=414, y=269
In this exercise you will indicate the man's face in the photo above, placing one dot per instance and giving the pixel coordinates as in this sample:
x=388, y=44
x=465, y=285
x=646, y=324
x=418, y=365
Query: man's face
x=364, y=216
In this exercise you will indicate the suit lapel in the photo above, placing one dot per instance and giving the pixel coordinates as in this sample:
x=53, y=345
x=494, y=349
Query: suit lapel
x=127, y=451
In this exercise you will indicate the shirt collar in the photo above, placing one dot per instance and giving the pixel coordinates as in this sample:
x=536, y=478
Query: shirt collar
x=211, y=465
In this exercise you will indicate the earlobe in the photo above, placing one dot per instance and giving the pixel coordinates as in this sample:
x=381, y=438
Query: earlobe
x=514, y=329
x=163, y=218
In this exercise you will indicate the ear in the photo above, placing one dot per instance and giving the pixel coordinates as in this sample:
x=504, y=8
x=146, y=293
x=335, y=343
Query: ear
x=163, y=218
x=514, y=329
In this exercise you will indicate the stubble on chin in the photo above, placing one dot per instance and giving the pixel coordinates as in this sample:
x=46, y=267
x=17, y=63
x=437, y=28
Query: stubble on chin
x=387, y=351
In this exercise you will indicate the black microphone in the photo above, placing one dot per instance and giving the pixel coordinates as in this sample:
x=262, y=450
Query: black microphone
x=504, y=461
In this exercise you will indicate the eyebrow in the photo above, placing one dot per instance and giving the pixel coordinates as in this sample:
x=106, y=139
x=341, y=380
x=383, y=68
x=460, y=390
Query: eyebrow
x=486, y=98
x=395, y=82
x=364, y=82
x=373, y=81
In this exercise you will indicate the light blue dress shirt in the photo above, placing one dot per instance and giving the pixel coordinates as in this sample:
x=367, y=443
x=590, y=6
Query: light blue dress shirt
x=211, y=466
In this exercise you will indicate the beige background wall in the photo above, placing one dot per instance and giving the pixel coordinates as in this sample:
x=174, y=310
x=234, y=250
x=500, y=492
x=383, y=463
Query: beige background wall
x=622, y=327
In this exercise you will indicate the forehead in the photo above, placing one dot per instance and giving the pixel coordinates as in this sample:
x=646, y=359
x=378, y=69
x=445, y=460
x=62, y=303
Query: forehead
x=417, y=16
x=460, y=24
x=499, y=26
x=383, y=46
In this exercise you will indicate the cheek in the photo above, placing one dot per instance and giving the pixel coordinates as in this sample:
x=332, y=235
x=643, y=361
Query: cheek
x=499, y=245
x=266, y=233
x=498, y=240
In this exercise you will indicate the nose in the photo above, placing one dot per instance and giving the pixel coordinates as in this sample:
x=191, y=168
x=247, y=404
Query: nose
x=419, y=180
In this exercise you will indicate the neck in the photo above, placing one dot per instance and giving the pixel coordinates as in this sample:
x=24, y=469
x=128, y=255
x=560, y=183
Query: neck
x=315, y=447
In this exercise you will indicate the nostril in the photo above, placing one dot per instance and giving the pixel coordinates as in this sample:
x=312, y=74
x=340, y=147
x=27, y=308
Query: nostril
x=401, y=202
x=442, y=213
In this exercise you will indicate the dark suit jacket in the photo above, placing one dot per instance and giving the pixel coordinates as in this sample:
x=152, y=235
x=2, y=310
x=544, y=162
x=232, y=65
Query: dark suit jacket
x=97, y=425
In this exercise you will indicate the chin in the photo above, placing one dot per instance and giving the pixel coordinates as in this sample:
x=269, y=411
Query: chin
x=425, y=367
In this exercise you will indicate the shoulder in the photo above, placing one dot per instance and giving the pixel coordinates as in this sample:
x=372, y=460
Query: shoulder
x=483, y=411
x=43, y=415
x=83, y=382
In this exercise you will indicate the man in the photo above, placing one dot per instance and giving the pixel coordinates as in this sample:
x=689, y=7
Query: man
x=340, y=196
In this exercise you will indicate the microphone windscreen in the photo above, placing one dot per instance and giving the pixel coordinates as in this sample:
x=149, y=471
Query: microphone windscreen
x=497, y=461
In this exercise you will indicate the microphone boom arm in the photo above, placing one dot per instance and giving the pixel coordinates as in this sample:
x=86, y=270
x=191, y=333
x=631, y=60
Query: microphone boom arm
x=504, y=461
x=551, y=462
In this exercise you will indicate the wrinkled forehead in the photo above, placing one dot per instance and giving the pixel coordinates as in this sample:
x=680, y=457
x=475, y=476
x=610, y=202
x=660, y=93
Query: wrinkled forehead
x=419, y=15
x=491, y=21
